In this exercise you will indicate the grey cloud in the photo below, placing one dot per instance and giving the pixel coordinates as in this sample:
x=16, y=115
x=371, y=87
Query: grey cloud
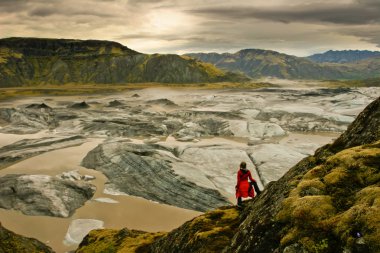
x=48, y=11
x=42, y=12
x=363, y=12
x=211, y=25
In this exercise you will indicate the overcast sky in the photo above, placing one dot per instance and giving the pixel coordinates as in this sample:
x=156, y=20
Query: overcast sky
x=298, y=27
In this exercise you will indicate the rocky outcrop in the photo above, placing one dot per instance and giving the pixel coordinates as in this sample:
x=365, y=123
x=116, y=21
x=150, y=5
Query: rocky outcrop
x=43, y=195
x=34, y=61
x=11, y=242
x=144, y=171
x=112, y=240
x=27, y=148
x=81, y=105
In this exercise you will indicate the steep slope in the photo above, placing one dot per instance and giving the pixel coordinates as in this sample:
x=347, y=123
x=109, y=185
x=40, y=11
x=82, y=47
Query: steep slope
x=328, y=202
x=257, y=63
x=32, y=61
x=343, y=56
x=11, y=242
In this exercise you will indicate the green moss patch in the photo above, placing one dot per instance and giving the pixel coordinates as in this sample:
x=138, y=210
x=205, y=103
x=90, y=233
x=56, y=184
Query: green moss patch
x=335, y=200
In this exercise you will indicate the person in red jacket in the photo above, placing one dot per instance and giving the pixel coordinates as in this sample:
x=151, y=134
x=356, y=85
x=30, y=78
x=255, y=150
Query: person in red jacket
x=244, y=188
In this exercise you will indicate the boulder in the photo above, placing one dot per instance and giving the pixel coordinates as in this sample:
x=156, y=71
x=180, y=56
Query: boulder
x=43, y=195
x=146, y=171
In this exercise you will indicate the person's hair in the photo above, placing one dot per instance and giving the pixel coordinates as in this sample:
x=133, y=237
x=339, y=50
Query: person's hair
x=243, y=165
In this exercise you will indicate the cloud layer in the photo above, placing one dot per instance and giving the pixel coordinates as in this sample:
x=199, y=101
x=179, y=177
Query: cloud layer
x=298, y=27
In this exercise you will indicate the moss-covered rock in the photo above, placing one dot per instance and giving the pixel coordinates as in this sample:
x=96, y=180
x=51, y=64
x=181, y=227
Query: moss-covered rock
x=349, y=203
x=11, y=242
x=210, y=232
x=111, y=240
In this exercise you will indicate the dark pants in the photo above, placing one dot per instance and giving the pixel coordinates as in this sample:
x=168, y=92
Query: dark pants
x=239, y=201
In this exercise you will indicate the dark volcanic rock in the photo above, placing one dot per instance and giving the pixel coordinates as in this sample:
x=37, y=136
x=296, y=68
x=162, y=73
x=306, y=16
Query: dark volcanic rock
x=81, y=105
x=11, y=242
x=43, y=195
x=115, y=103
x=141, y=170
x=162, y=101
x=135, y=95
x=38, y=106
x=27, y=148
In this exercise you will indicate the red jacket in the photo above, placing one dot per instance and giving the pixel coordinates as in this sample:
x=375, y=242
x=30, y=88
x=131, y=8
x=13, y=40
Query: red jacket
x=243, y=188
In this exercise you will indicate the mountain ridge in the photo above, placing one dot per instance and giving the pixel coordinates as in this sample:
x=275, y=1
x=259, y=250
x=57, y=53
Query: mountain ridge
x=258, y=63
x=34, y=61
x=343, y=56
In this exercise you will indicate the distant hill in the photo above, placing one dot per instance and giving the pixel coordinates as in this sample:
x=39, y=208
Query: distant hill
x=344, y=56
x=33, y=61
x=257, y=63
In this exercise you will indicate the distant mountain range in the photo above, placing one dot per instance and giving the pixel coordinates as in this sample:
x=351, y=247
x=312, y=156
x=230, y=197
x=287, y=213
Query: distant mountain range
x=34, y=61
x=31, y=61
x=344, y=56
x=257, y=63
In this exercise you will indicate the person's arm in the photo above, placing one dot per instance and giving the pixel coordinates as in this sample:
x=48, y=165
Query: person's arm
x=250, y=177
x=254, y=183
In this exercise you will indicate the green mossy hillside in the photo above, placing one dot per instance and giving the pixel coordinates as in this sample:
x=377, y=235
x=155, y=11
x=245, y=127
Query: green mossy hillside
x=41, y=62
x=334, y=201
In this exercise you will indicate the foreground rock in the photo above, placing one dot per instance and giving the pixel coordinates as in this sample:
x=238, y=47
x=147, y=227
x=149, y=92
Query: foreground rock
x=206, y=233
x=11, y=242
x=43, y=195
x=141, y=170
x=27, y=148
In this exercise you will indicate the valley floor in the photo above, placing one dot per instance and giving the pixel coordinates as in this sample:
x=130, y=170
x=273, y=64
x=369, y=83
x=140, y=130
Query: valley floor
x=161, y=156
